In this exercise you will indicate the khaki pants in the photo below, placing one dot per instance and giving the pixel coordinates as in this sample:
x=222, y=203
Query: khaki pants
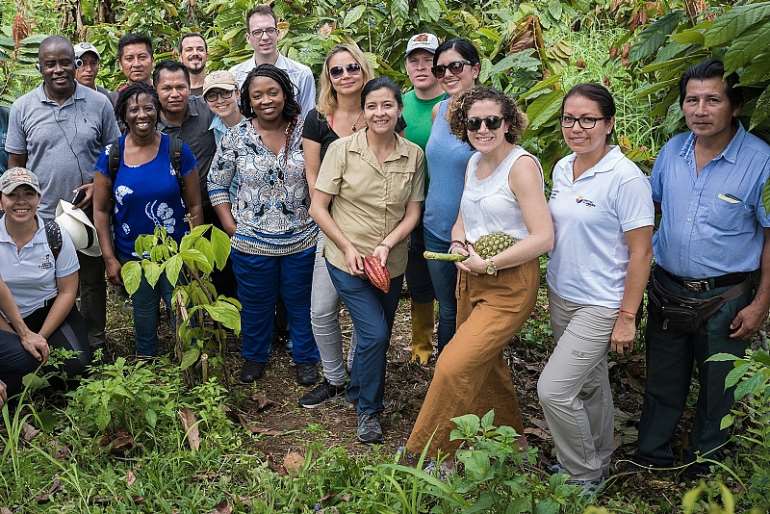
x=471, y=374
x=574, y=388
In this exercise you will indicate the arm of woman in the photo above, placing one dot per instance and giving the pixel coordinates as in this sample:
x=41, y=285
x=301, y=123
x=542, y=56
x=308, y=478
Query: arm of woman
x=65, y=300
x=639, y=243
x=192, y=197
x=33, y=343
x=220, y=179
x=312, y=151
x=525, y=183
x=102, y=213
x=319, y=211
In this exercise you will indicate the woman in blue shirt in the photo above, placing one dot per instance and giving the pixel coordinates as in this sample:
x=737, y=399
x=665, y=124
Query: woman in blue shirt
x=144, y=193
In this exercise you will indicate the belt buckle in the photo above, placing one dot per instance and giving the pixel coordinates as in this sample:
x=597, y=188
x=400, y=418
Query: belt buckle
x=696, y=286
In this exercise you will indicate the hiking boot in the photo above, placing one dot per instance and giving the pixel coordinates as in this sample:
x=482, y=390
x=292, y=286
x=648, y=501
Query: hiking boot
x=252, y=371
x=369, y=430
x=318, y=395
x=307, y=374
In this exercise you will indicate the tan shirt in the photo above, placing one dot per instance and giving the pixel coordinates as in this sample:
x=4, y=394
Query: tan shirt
x=370, y=198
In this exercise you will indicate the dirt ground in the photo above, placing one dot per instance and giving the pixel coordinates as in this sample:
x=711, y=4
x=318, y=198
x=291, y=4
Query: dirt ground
x=269, y=407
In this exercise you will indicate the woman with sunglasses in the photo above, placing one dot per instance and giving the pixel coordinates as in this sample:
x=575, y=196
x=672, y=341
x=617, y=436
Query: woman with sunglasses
x=456, y=65
x=338, y=114
x=603, y=214
x=503, y=192
x=273, y=237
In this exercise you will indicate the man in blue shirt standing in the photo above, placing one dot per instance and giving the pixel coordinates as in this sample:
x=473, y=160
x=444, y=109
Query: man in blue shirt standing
x=711, y=247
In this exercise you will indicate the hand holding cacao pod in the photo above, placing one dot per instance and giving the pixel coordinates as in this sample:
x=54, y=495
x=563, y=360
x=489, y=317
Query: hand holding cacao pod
x=377, y=274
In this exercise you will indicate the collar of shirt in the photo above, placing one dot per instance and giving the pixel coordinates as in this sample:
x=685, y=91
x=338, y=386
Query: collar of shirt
x=192, y=110
x=5, y=237
x=77, y=95
x=730, y=153
x=606, y=163
x=360, y=145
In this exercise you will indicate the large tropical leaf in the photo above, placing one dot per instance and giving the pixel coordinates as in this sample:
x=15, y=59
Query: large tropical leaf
x=735, y=22
x=653, y=37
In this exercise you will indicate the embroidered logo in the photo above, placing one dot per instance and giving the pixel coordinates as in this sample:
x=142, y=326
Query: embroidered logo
x=584, y=201
x=47, y=262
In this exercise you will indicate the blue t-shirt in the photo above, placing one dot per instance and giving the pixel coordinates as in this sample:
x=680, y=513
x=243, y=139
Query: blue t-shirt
x=146, y=196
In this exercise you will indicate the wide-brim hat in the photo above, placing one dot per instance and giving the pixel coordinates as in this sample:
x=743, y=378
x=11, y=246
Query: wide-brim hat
x=80, y=229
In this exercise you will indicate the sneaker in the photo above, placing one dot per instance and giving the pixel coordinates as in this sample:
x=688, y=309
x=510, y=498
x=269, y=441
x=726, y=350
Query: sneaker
x=321, y=393
x=555, y=469
x=252, y=371
x=369, y=429
x=589, y=488
x=307, y=374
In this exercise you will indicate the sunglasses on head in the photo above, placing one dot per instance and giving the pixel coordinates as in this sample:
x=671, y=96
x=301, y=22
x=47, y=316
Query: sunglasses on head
x=455, y=68
x=353, y=68
x=491, y=122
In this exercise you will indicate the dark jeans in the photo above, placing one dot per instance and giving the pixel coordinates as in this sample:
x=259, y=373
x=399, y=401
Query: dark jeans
x=443, y=276
x=417, y=274
x=261, y=280
x=372, y=312
x=93, y=297
x=146, y=306
x=15, y=361
x=670, y=358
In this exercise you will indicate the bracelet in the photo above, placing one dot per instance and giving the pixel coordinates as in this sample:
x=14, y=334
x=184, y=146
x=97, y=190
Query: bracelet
x=464, y=244
x=456, y=244
x=632, y=314
x=385, y=245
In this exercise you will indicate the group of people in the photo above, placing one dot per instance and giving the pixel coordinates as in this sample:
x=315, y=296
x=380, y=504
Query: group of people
x=308, y=187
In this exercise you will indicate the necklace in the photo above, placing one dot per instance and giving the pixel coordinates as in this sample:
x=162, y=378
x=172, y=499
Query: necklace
x=354, y=127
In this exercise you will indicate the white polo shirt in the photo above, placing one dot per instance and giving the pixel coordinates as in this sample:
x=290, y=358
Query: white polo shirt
x=30, y=273
x=590, y=255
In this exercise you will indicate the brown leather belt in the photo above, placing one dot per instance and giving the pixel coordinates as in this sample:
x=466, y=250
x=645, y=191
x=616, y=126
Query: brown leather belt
x=707, y=284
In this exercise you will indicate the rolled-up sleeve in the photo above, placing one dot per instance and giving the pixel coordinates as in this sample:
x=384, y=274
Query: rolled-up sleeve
x=330, y=175
x=222, y=171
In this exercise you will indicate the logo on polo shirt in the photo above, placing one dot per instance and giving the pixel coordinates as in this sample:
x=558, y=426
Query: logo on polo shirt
x=584, y=201
x=47, y=262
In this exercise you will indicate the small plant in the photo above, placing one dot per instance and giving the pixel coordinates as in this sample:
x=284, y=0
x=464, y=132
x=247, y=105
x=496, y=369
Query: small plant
x=188, y=266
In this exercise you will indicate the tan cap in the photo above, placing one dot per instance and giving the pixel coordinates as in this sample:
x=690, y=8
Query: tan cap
x=15, y=177
x=220, y=80
x=424, y=41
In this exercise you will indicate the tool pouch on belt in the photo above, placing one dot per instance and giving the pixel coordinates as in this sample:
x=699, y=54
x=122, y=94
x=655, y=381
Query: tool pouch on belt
x=686, y=315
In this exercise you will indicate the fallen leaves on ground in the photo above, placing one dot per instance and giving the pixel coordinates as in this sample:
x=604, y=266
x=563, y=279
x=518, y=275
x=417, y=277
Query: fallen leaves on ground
x=52, y=489
x=222, y=507
x=118, y=443
x=261, y=401
x=254, y=429
x=190, y=424
x=130, y=478
x=28, y=432
x=293, y=462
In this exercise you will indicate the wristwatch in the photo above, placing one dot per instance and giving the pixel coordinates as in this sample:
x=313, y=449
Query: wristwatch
x=491, y=268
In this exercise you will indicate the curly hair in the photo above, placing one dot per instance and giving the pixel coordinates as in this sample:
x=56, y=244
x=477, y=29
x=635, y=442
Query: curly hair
x=132, y=91
x=459, y=108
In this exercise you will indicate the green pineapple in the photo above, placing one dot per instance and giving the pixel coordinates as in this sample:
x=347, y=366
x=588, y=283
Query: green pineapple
x=491, y=244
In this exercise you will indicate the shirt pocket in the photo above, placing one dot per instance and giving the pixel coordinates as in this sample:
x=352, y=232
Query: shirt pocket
x=730, y=217
x=399, y=184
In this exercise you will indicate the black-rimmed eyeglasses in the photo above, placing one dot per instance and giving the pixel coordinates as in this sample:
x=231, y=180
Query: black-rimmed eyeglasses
x=213, y=95
x=270, y=31
x=585, y=122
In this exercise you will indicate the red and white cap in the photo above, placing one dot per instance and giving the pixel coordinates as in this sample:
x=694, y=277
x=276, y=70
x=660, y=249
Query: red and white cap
x=424, y=41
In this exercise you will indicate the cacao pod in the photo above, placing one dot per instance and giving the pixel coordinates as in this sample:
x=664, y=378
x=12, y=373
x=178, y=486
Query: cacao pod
x=377, y=274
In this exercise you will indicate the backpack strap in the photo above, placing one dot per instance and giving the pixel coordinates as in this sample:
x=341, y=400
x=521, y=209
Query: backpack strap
x=53, y=234
x=113, y=161
x=175, y=156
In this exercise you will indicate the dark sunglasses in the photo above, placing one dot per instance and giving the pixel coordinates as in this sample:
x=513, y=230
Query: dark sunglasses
x=455, y=68
x=353, y=68
x=211, y=96
x=492, y=123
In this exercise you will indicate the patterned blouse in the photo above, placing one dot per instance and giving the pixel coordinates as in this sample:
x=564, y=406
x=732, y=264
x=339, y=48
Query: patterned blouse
x=271, y=200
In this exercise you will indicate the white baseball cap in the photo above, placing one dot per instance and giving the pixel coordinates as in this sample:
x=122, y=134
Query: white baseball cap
x=80, y=229
x=84, y=48
x=424, y=41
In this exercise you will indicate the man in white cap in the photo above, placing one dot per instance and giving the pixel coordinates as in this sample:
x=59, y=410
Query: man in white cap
x=87, y=61
x=418, y=108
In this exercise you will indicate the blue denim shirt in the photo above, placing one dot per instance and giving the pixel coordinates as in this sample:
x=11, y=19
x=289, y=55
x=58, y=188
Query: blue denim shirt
x=712, y=222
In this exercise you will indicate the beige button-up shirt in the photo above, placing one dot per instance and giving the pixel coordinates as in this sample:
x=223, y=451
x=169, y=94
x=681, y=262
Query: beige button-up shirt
x=370, y=198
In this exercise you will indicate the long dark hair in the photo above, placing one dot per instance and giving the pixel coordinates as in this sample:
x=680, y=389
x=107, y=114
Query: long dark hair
x=291, y=109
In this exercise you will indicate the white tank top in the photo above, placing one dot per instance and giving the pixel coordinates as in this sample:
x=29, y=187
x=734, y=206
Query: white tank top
x=488, y=205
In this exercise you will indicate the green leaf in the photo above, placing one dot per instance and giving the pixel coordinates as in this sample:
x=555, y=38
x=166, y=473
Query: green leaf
x=488, y=420
x=203, y=245
x=468, y=424
x=750, y=386
x=727, y=421
x=477, y=464
x=761, y=109
x=756, y=72
x=761, y=355
x=429, y=10
x=173, y=266
x=151, y=417
x=195, y=256
x=652, y=38
x=102, y=417
x=541, y=86
x=199, y=231
x=690, y=498
x=744, y=49
x=523, y=60
x=34, y=381
x=225, y=313
x=547, y=506
x=131, y=274
x=554, y=9
x=544, y=109
x=354, y=15
x=735, y=22
x=736, y=374
x=692, y=36
x=152, y=271
x=722, y=357
x=220, y=243
x=190, y=357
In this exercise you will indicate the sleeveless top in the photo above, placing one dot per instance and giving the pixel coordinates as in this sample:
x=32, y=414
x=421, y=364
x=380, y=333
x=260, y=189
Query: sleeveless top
x=447, y=158
x=488, y=205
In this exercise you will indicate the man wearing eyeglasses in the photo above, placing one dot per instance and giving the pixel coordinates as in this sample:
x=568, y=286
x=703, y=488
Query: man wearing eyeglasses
x=262, y=34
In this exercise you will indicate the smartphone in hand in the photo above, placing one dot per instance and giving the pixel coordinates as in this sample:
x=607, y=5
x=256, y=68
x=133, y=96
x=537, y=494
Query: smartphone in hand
x=79, y=197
